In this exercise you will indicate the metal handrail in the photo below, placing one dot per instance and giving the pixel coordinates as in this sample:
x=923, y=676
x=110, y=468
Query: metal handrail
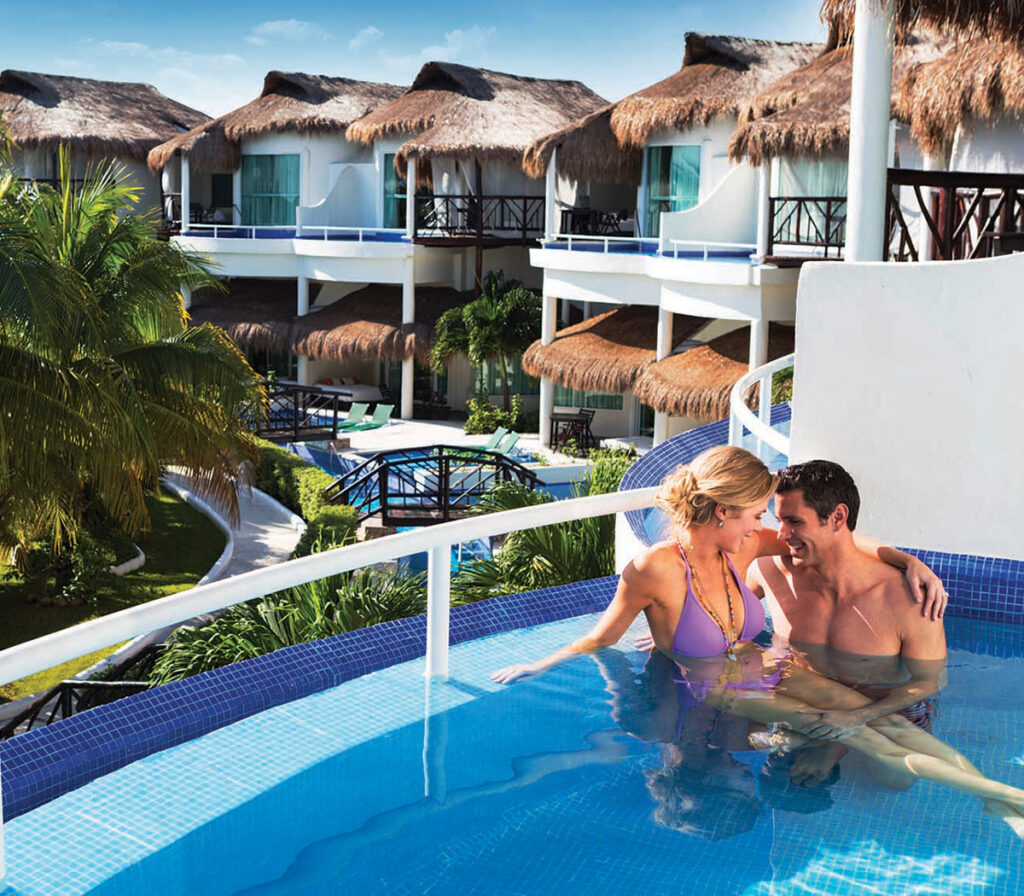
x=606, y=241
x=326, y=230
x=741, y=416
x=45, y=652
x=706, y=244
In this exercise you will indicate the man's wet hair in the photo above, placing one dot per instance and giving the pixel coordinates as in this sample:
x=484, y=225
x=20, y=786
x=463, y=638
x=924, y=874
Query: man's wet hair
x=825, y=485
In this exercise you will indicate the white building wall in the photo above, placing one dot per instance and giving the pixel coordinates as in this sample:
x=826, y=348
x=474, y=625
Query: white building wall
x=996, y=149
x=907, y=375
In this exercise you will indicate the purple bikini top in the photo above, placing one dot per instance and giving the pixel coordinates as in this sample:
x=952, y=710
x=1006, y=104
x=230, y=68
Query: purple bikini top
x=698, y=635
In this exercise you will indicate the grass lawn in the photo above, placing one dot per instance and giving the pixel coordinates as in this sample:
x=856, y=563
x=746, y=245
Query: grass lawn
x=180, y=549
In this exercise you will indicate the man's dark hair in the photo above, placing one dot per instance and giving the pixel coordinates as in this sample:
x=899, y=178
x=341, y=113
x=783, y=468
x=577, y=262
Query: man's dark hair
x=825, y=485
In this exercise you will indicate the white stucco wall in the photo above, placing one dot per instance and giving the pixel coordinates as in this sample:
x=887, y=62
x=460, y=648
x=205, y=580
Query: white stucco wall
x=728, y=214
x=910, y=376
x=997, y=148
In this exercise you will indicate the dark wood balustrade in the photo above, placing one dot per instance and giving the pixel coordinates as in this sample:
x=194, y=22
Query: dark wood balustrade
x=479, y=218
x=807, y=222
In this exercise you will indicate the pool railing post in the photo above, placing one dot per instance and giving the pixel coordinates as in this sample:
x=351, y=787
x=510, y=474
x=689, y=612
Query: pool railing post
x=3, y=855
x=439, y=571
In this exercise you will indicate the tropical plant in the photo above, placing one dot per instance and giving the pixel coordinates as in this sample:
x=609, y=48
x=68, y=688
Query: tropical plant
x=483, y=417
x=102, y=383
x=546, y=556
x=498, y=326
x=308, y=612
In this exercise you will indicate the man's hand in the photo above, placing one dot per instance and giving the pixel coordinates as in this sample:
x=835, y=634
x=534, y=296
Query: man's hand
x=835, y=724
x=927, y=589
x=516, y=673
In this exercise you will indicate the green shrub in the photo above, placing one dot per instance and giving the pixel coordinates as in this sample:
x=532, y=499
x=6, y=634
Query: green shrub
x=332, y=527
x=299, y=486
x=782, y=385
x=485, y=418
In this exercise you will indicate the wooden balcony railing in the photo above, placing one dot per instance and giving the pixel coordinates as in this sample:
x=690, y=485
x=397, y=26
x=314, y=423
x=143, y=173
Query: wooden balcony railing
x=961, y=215
x=501, y=217
x=807, y=222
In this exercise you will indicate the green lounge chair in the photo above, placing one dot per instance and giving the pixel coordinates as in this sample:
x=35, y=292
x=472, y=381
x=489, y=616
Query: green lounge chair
x=492, y=443
x=381, y=415
x=509, y=442
x=355, y=415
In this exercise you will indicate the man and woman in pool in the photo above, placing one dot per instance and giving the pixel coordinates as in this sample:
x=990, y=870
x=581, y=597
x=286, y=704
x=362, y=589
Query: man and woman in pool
x=855, y=649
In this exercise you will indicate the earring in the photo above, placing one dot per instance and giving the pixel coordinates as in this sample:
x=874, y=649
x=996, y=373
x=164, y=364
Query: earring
x=721, y=523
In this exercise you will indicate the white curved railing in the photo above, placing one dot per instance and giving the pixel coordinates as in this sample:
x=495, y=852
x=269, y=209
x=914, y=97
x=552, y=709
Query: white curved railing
x=42, y=653
x=741, y=416
x=321, y=231
x=705, y=246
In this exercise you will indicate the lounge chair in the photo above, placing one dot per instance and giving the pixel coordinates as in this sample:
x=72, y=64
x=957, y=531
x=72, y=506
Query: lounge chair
x=381, y=415
x=509, y=442
x=492, y=443
x=355, y=415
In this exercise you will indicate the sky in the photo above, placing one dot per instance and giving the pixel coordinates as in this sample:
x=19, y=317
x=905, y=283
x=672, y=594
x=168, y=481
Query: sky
x=213, y=55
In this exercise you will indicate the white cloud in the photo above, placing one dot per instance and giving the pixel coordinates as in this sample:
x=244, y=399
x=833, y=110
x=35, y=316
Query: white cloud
x=365, y=37
x=170, y=57
x=468, y=45
x=285, y=30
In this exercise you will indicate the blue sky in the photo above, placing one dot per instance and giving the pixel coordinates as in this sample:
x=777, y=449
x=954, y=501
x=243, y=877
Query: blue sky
x=213, y=55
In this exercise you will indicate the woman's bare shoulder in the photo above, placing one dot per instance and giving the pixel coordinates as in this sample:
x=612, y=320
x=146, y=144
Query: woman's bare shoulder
x=657, y=562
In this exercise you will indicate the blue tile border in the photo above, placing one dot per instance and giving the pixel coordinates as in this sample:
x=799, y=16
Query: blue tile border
x=42, y=764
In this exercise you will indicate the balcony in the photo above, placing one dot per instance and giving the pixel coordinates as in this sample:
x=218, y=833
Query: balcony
x=468, y=220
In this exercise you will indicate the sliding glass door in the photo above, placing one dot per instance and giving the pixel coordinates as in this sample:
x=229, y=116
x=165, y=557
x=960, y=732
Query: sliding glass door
x=270, y=190
x=673, y=182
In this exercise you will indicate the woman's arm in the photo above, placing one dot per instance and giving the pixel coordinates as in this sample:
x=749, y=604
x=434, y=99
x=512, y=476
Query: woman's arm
x=925, y=585
x=635, y=592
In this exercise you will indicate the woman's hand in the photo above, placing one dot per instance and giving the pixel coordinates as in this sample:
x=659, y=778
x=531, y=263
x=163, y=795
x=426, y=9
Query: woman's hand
x=517, y=673
x=926, y=587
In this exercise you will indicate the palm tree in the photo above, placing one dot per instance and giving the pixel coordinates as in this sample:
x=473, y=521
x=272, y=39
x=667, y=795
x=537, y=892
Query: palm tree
x=498, y=326
x=102, y=383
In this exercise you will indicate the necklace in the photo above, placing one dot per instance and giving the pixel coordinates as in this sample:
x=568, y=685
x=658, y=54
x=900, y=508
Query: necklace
x=730, y=644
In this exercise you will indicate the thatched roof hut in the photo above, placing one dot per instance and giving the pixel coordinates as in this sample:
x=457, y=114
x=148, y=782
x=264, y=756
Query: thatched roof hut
x=605, y=353
x=472, y=113
x=976, y=82
x=806, y=113
x=367, y=324
x=255, y=313
x=719, y=75
x=587, y=150
x=289, y=101
x=94, y=118
x=696, y=383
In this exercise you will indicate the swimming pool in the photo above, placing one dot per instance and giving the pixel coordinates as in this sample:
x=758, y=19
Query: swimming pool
x=527, y=789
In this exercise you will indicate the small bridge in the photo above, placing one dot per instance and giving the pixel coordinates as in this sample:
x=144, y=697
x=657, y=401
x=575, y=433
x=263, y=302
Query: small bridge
x=302, y=412
x=422, y=486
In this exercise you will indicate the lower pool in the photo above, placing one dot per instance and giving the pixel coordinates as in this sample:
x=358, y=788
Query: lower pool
x=579, y=781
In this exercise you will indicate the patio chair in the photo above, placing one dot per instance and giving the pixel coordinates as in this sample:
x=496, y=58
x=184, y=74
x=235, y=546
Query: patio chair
x=509, y=442
x=381, y=415
x=355, y=415
x=492, y=443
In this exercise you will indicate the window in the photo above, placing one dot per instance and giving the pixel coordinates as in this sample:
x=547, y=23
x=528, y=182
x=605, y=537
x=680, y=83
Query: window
x=575, y=398
x=394, y=194
x=673, y=182
x=488, y=379
x=270, y=189
x=220, y=191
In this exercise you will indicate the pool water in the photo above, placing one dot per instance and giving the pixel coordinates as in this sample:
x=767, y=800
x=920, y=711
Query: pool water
x=544, y=786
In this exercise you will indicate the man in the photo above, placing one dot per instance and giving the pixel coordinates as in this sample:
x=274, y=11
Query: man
x=846, y=615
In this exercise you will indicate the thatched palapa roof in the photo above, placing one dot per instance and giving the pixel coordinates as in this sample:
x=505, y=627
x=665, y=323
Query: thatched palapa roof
x=696, y=383
x=604, y=353
x=367, y=324
x=255, y=313
x=719, y=75
x=1002, y=19
x=473, y=113
x=289, y=101
x=806, y=113
x=95, y=118
x=977, y=81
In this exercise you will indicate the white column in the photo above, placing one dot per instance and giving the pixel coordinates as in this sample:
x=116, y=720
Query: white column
x=302, y=374
x=763, y=208
x=435, y=743
x=408, y=317
x=565, y=310
x=548, y=322
x=587, y=311
x=186, y=193
x=236, y=196
x=439, y=571
x=302, y=295
x=925, y=239
x=869, y=129
x=550, y=185
x=759, y=356
x=410, y=198
x=662, y=349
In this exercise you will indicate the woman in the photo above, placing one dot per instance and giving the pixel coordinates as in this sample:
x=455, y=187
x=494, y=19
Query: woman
x=699, y=610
